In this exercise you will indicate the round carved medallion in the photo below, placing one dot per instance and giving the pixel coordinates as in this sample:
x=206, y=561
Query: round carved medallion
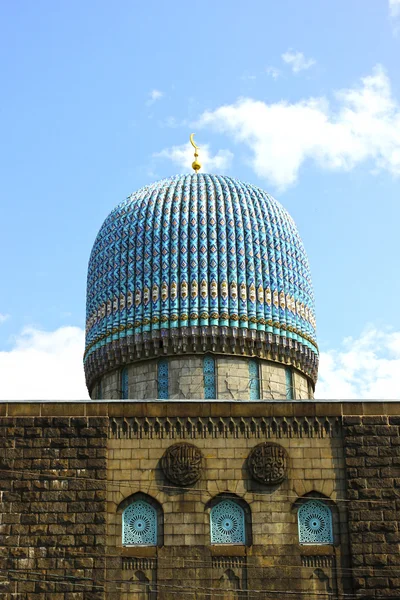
x=181, y=464
x=267, y=463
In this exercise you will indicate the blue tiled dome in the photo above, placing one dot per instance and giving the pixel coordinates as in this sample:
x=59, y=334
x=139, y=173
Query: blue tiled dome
x=198, y=263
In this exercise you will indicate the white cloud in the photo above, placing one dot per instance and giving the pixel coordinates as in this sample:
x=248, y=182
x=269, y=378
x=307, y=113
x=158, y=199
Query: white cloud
x=394, y=8
x=44, y=365
x=297, y=61
x=273, y=72
x=183, y=156
x=365, y=126
x=366, y=368
x=154, y=96
x=3, y=318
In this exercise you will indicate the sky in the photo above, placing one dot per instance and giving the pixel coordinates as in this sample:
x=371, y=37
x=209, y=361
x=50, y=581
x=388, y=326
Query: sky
x=300, y=98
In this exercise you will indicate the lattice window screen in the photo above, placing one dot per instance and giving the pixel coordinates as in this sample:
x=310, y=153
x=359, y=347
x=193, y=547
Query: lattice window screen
x=254, y=378
x=162, y=376
x=209, y=378
x=124, y=384
x=139, y=524
x=227, y=523
x=315, y=523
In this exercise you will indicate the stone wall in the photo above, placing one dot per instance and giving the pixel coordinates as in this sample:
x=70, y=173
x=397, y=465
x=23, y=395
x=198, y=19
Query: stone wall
x=185, y=563
x=186, y=380
x=372, y=446
x=68, y=470
x=53, y=506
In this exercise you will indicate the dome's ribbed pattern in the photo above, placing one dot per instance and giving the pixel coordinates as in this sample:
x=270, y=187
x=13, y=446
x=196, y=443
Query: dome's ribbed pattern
x=199, y=259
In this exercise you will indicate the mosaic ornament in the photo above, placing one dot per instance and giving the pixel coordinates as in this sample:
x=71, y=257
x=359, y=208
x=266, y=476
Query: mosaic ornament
x=254, y=380
x=162, y=379
x=181, y=464
x=267, y=463
x=210, y=392
x=198, y=250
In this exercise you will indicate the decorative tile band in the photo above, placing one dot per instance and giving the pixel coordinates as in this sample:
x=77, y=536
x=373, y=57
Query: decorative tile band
x=191, y=428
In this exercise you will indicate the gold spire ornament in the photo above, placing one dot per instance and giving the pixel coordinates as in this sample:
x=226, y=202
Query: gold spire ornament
x=195, y=164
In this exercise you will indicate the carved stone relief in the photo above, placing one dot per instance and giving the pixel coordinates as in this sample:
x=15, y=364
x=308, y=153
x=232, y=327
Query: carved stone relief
x=182, y=464
x=267, y=463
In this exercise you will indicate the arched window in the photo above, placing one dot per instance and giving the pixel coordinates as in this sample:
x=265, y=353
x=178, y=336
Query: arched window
x=315, y=523
x=227, y=523
x=209, y=378
x=139, y=524
x=162, y=379
x=254, y=379
x=124, y=384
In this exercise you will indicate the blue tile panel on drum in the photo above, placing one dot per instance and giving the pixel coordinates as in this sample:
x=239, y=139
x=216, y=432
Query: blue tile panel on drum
x=162, y=379
x=254, y=379
x=210, y=392
x=199, y=251
x=124, y=384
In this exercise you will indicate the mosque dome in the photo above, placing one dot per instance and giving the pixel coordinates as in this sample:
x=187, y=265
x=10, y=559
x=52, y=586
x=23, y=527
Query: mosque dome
x=199, y=263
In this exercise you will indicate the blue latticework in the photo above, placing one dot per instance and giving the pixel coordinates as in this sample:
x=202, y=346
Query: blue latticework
x=254, y=378
x=209, y=378
x=124, y=384
x=315, y=523
x=289, y=383
x=227, y=523
x=163, y=379
x=139, y=524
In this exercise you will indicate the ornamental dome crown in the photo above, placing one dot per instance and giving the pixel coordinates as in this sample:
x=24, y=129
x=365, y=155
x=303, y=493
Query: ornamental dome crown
x=199, y=263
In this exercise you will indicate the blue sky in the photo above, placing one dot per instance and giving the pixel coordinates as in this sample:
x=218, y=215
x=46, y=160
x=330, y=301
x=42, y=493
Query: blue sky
x=300, y=98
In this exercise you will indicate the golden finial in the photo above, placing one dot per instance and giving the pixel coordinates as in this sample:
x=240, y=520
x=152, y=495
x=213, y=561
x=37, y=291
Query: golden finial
x=195, y=164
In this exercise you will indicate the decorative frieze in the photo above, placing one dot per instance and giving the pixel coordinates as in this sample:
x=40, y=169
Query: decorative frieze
x=228, y=562
x=182, y=428
x=318, y=562
x=133, y=563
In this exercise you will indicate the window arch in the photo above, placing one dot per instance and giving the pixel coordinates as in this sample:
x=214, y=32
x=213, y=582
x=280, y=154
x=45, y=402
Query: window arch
x=315, y=523
x=139, y=524
x=209, y=378
x=227, y=523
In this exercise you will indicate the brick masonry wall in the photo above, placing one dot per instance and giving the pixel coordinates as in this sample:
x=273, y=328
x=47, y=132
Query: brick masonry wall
x=372, y=446
x=53, y=506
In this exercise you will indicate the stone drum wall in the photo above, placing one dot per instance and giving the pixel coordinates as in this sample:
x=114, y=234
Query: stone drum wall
x=233, y=380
